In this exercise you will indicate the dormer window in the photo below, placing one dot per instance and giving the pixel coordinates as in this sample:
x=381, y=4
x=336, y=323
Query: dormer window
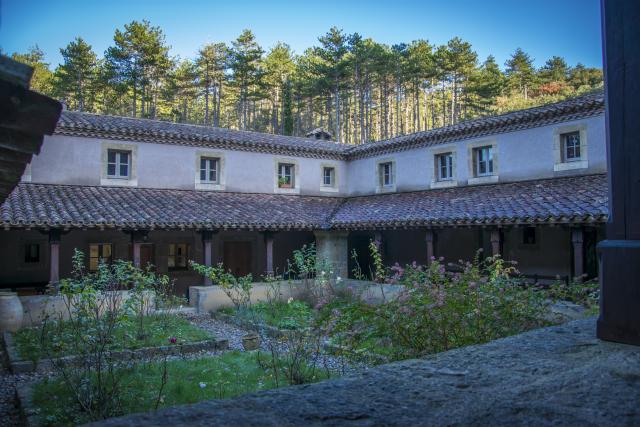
x=118, y=164
x=571, y=146
x=209, y=170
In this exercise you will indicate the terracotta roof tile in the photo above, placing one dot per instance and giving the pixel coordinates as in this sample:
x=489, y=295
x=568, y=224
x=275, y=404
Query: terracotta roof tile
x=579, y=199
x=125, y=128
x=572, y=200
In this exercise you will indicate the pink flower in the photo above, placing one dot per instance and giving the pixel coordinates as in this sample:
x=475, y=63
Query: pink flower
x=173, y=340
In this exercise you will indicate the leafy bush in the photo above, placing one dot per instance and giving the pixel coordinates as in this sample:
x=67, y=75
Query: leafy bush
x=585, y=294
x=438, y=310
x=95, y=315
x=238, y=289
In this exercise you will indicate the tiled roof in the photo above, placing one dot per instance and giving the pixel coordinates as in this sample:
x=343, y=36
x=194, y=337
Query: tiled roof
x=74, y=123
x=74, y=206
x=580, y=199
x=571, y=109
x=125, y=128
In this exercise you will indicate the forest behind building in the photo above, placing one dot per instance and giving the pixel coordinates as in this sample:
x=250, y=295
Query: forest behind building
x=354, y=87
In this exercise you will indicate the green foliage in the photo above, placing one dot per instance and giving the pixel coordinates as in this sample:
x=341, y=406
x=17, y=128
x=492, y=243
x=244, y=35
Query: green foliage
x=96, y=320
x=359, y=89
x=438, y=310
x=158, y=330
x=189, y=381
x=238, y=289
x=584, y=294
x=291, y=314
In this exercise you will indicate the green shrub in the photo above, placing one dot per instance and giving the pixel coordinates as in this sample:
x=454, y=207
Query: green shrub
x=439, y=310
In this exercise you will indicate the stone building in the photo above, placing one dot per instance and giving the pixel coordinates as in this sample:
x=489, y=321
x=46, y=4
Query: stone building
x=529, y=184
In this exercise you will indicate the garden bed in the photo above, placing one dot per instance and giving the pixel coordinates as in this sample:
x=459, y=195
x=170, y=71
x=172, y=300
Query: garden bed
x=275, y=320
x=164, y=335
x=231, y=374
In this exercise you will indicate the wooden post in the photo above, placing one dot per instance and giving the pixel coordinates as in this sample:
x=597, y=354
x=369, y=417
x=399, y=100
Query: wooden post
x=496, y=241
x=620, y=253
x=577, y=240
x=429, y=240
x=54, y=257
x=207, y=238
x=268, y=242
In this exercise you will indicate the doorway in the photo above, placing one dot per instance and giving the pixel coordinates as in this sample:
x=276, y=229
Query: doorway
x=237, y=257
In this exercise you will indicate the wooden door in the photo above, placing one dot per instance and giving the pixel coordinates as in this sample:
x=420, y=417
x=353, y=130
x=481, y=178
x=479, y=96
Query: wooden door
x=146, y=255
x=237, y=257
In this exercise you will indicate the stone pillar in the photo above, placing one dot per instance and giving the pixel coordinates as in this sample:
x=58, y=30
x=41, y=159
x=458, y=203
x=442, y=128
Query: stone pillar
x=577, y=241
x=268, y=243
x=620, y=253
x=207, y=239
x=429, y=238
x=54, y=257
x=332, y=247
x=496, y=241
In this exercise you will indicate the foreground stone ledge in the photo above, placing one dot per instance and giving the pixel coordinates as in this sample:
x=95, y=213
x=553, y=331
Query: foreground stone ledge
x=559, y=375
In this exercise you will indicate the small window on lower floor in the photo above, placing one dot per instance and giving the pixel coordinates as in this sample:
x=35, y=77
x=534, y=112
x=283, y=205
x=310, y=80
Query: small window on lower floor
x=178, y=258
x=99, y=252
x=529, y=236
x=32, y=253
x=385, y=174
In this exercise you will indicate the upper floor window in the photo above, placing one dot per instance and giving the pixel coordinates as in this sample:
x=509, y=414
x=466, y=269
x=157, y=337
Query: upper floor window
x=209, y=170
x=444, y=165
x=483, y=159
x=328, y=176
x=286, y=175
x=118, y=164
x=386, y=174
x=99, y=252
x=178, y=256
x=32, y=253
x=571, y=146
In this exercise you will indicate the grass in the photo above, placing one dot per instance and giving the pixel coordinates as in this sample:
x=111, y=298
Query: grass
x=281, y=314
x=231, y=374
x=158, y=329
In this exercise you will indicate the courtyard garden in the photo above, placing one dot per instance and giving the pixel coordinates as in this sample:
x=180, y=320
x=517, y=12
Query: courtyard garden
x=120, y=345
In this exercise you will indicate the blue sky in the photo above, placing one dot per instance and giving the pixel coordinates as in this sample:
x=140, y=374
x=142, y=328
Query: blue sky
x=569, y=28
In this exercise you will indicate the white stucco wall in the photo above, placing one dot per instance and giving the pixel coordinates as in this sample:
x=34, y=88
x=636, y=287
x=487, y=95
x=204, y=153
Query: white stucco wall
x=521, y=155
x=78, y=160
x=518, y=155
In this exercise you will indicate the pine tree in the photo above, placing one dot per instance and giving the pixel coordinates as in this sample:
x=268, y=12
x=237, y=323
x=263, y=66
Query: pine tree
x=42, y=78
x=211, y=65
x=139, y=57
x=520, y=72
x=76, y=76
x=244, y=57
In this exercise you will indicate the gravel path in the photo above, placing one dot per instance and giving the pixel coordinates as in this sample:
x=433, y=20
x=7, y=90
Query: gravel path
x=9, y=414
x=234, y=334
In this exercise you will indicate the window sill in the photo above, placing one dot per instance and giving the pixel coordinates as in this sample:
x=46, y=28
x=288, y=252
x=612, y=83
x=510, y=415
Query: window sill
x=209, y=186
x=119, y=182
x=489, y=179
x=278, y=190
x=329, y=189
x=567, y=166
x=444, y=184
x=386, y=189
